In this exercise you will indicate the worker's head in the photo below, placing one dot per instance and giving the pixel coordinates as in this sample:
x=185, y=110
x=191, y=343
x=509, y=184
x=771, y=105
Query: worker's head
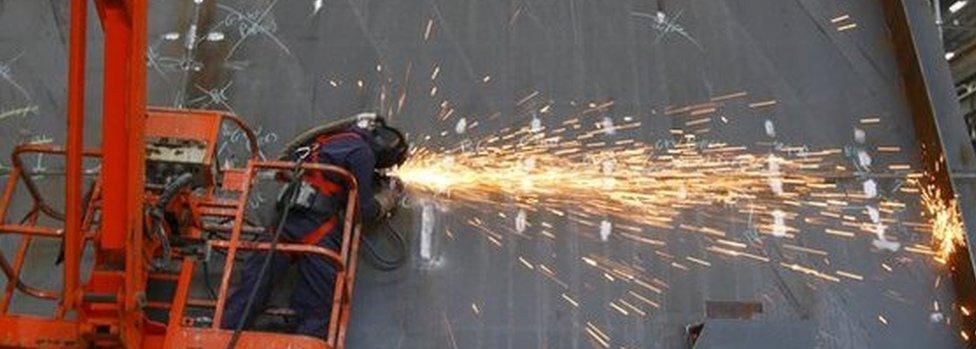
x=389, y=145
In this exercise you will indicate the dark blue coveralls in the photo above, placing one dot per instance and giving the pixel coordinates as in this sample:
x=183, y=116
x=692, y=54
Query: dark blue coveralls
x=311, y=297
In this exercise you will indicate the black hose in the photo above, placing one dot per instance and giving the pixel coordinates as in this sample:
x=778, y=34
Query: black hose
x=158, y=214
x=206, y=279
x=172, y=188
x=160, y=233
x=85, y=200
x=384, y=263
x=295, y=178
x=309, y=136
x=206, y=273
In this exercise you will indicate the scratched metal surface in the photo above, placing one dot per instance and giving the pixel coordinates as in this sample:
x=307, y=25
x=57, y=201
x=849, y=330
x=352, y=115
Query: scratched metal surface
x=287, y=65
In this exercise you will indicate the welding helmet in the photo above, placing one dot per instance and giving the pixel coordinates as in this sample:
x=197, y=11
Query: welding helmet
x=388, y=143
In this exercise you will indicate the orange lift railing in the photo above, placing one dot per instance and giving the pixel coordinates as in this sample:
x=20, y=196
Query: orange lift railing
x=109, y=308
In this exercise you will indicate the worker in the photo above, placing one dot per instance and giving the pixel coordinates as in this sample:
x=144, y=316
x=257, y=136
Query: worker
x=314, y=217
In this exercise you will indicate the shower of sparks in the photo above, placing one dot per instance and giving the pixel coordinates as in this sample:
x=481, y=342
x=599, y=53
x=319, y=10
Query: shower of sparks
x=735, y=200
x=945, y=222
x=648, y=186
x=583, y=177
x=651, y=187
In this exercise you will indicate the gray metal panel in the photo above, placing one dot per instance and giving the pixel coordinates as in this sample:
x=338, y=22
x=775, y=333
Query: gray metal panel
x=736, y=334
x=278, y=74
x=948, y=154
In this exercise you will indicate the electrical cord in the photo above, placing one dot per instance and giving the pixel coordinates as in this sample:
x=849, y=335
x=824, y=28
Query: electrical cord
x=292, y=195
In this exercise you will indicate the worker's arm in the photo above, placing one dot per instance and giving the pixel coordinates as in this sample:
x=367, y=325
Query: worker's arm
x=362, y=162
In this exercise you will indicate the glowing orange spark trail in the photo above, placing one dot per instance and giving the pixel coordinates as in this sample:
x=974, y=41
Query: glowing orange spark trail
x=583, y=172
x=945, y=222
x=639, y=183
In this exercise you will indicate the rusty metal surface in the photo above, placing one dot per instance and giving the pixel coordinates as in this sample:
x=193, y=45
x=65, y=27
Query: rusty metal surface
x=287, y=65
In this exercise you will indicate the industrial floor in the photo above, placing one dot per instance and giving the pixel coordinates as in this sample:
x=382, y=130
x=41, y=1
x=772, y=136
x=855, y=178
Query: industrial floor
x=288, y=65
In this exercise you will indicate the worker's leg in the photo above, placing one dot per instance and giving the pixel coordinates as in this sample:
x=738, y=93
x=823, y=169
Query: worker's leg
x=312, y=296
x=234, y=310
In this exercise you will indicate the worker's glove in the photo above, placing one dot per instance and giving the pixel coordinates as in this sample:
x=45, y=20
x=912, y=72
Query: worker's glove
x=387, y=200
x=394, y=184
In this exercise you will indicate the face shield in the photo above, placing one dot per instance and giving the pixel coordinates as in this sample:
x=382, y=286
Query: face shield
x=389, y=145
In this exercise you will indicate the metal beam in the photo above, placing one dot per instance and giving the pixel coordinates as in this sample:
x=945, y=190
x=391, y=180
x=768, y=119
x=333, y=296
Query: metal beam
x=939, y=126
x=120, y=241
x=75, y=146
